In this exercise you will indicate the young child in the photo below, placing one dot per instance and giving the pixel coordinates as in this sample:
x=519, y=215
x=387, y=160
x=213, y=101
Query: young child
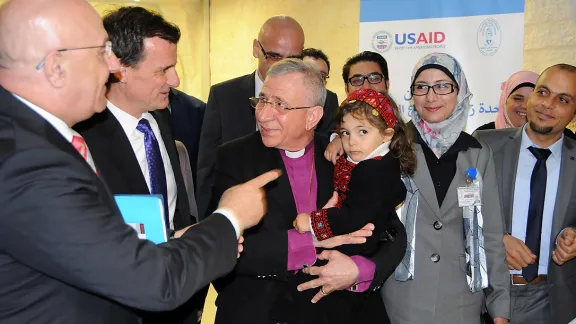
x=368, y=182
x=368, y=177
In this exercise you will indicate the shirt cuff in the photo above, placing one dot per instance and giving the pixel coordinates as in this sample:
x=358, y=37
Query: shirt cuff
x=301, y=250
x=333, y=136
x=231, y=217
x=367, y=269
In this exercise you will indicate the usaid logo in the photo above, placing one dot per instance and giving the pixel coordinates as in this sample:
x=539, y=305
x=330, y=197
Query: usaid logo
x=489, y=37
x=381, y=41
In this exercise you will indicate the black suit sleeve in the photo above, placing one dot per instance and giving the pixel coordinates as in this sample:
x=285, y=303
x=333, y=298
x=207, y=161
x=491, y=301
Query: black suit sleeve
x=210, y=139
x=57, y=219
x=375, y=189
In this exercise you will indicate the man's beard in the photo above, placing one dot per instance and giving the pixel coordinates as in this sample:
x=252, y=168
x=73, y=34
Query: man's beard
x=544, y=130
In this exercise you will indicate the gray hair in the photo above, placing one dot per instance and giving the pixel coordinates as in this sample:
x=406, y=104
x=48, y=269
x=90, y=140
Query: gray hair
x=311, y=77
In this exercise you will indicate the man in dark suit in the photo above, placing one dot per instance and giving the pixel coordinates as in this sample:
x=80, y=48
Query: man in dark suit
x=262, y=289
x=120, y=136
x=536, y=168
x=187, y=115
x=66, y=255
x=228, y=112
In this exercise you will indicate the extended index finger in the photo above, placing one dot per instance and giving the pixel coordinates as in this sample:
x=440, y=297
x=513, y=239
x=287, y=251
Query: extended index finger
x=263, y=179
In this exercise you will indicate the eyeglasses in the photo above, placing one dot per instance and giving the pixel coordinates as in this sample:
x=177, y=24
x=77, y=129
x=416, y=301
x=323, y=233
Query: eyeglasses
x=440, y=89
x=107, y=51
x=258, y=103
x=324, y=76
x=275, y=57
x=373, y=78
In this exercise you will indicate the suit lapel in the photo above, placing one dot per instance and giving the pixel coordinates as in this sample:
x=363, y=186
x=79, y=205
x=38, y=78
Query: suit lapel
x=111, y=135
x=565, y=186
x=182, y=216
x=279, y=191
x=424, y=183
x=506, y=163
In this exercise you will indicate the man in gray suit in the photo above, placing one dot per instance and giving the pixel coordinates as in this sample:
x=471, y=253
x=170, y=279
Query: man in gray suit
x=536, y=169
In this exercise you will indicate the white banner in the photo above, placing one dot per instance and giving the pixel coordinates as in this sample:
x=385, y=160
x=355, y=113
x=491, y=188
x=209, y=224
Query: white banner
x=489, y=45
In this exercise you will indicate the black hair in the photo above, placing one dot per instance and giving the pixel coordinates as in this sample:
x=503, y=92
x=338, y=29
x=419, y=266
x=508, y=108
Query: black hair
x=365, y=56
x=317, y=54
x=128, y=27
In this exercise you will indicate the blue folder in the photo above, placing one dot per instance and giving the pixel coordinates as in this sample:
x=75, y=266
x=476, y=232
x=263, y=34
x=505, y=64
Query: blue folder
x=145, y=214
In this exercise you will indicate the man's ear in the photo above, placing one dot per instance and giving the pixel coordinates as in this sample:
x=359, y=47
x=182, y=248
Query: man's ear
x=255, y=49
x=121, y=74
x=55, y=69
x=313, y=117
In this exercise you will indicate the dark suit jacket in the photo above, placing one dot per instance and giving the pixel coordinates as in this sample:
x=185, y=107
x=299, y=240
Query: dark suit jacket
x=228, y=117
x=117, y=162
x=260, y=289
x=66, y=255
x=505, y=144
x=187, y=115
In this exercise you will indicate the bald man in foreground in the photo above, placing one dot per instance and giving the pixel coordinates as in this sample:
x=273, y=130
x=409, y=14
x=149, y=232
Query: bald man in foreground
x=228, y=114
x=66, y=255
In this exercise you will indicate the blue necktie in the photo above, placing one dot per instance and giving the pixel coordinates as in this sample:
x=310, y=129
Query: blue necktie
x=155, y=166
x=536, y=209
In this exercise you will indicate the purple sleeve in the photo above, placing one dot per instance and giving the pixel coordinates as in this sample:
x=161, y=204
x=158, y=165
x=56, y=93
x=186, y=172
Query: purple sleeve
x=367, y=270
x=301, y=250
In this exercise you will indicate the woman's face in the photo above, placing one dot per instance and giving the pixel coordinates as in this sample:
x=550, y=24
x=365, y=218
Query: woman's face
x=435, y=108
x=516, y=105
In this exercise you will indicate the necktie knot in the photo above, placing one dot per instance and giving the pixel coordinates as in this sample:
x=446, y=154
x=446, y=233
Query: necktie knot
x=80, y=146
x=144, y=126
x=540, y=154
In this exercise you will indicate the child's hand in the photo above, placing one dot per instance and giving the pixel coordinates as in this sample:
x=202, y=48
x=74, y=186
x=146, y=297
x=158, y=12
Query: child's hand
x=302, y=223
x=334, y=150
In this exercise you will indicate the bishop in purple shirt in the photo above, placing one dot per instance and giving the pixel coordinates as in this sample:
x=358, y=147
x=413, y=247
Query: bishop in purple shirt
x=284, y=276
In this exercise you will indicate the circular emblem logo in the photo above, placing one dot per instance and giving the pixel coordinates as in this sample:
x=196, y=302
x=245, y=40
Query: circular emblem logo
x=381, y=41
x=489, y=37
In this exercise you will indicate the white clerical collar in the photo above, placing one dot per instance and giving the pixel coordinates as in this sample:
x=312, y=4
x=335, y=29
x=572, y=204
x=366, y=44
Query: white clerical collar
x=295, y=155
x=379, y=151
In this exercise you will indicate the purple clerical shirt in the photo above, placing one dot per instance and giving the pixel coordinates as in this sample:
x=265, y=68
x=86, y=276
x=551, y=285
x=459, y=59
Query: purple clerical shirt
x=301, y=251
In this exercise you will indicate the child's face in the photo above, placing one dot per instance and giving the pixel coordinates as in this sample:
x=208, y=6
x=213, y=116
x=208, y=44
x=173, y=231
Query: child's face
x=360, y=138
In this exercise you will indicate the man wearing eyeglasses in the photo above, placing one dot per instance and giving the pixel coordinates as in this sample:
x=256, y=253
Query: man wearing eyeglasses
x=366, y=70
x=66, y=254
x=263, y=287
x=228, y=113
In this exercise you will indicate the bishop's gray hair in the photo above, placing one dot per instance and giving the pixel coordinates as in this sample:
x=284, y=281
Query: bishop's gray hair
x=311, y=77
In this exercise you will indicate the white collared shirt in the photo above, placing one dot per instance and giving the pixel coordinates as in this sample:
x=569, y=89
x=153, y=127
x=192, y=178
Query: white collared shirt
x=62, y=128
x=136, y=138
